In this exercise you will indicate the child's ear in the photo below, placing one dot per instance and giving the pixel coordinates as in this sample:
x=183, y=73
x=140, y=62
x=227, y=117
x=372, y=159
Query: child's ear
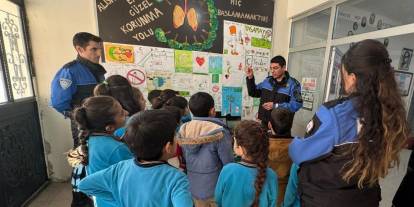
x=270, y=127
x=212, y=112
x=110, y=128
x=170, y=149
x=239, y=150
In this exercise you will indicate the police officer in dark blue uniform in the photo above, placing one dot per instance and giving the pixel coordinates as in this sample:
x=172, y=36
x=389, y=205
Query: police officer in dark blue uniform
x=73, y=83
x=277, y=90
x=352, y=142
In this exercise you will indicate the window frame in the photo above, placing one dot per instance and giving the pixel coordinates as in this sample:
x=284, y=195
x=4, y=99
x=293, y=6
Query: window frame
x=331, y=42
x=29, y=58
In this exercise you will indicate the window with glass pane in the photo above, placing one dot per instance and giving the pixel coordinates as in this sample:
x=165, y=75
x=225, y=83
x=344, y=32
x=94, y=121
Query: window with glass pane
x=311, y=29
x=361, y=16
x=401, y=50
x=15, y=50
x=307, y=68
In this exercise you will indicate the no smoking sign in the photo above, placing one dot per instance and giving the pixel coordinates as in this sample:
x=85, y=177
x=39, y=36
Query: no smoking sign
x=136, y=77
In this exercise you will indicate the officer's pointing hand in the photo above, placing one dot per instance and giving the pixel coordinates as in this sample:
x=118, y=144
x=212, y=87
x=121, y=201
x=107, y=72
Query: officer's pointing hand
x=249, y=72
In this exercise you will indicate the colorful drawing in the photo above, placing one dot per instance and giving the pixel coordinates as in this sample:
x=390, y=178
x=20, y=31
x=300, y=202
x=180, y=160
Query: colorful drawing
x=201, y=83
x=215, y=90
x=133, y=72
x=260, y=37
x=233, y=38
x=215, y=64
x=201, y=34
x=309, y=83
x=114, y=69
x=231, y=101
x=159, y=80
x=215, y=78
x=233, y=71
x=200, y=62
x=119, y=53
x=136, y=77
x=154, y=58
x=183, y=61
x=182, y=82
x=258, y=59
x=250, y=105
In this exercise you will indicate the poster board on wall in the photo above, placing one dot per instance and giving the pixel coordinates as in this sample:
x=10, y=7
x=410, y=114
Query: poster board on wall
x=188, y=46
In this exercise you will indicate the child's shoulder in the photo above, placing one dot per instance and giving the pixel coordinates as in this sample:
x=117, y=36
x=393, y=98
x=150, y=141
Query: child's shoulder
x=171, y=171
x=271, y=173
x=235, y=167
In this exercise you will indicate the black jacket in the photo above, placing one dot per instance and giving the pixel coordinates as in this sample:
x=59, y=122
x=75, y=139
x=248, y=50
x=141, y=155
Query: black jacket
x=286, y=93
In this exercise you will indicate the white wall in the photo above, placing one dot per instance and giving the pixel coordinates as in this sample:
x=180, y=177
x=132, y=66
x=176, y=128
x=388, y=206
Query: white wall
x=281, y=28
x=297, y=7
x=52, y=24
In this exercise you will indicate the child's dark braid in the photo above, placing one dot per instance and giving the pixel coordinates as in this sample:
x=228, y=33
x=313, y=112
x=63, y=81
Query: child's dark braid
x=81, y=118
x=251, y=136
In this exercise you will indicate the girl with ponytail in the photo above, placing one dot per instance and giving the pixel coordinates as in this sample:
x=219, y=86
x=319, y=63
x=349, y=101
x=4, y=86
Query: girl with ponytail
x=118, y=87
x=97, y=119
x=250, y=182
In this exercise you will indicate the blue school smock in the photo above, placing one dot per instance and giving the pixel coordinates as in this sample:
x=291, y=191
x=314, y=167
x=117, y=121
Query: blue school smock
x=235, y=187
x=132, y=184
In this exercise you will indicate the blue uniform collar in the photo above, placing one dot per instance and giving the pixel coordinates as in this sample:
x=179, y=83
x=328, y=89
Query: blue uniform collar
x=150, y=164
x=97, y=70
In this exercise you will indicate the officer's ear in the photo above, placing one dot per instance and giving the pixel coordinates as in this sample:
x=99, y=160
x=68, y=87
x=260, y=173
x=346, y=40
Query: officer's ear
x=212, y=112
x=79, y=49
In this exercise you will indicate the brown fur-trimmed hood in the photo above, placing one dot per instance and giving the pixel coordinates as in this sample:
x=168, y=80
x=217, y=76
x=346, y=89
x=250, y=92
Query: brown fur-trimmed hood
x=199, y=132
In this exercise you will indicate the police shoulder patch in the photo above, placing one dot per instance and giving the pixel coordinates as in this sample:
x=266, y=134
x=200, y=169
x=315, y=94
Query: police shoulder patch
x=312, y=126
x=65, y=83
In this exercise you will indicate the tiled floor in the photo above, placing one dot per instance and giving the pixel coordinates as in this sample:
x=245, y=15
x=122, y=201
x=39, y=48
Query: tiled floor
x=54, y=195
x=59, y=194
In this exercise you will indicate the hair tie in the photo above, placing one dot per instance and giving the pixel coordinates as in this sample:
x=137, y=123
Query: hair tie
x=387, y=60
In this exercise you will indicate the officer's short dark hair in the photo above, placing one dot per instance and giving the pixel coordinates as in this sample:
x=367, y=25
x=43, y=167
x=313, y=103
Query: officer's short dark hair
x=279, y=59
x=82, y=39
x=281, y=120
x=200, y=104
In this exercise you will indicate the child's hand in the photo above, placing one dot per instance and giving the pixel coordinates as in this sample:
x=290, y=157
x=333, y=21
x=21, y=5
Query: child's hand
x=268, y=106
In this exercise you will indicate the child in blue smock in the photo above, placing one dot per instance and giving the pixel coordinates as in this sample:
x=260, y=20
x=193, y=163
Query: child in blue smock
x=292, y=198
x=147, y=180
x=98, y=118
x=250, y=182
x=130, y=98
